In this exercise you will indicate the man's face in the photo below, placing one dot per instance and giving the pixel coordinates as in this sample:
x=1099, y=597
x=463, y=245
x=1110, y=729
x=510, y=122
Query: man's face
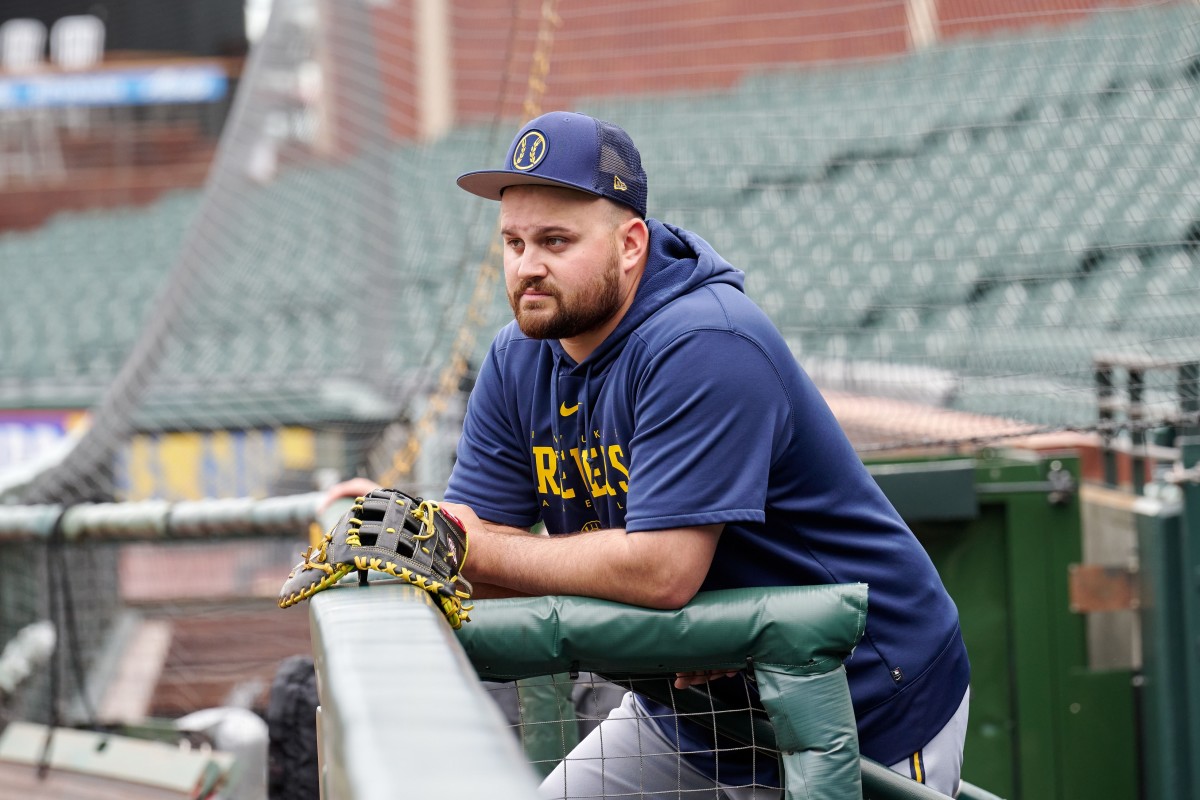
x=561, y=264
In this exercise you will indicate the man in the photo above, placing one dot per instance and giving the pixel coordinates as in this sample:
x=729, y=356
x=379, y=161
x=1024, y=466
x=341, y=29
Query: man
x=652, y=417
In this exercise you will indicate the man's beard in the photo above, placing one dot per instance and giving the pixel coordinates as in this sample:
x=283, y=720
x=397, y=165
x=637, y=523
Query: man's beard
x=589, y=308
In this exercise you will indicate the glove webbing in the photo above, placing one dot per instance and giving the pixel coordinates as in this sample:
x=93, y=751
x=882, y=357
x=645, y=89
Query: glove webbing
x=422, y=570
x=387, y=549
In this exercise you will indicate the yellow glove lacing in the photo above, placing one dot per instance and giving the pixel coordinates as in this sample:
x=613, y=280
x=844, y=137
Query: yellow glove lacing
x=316, y=558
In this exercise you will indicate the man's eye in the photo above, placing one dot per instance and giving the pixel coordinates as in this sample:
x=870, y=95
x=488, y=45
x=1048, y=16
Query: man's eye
x=515, y=244
x=555, y=241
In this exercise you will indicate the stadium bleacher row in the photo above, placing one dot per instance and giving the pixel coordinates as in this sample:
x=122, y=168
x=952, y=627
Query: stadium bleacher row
x=77, y=292
x=998, y=207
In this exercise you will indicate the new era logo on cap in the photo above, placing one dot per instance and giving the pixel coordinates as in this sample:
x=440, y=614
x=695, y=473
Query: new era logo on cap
x=571, y=150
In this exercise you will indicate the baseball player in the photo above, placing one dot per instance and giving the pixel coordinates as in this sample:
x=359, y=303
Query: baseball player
x=653, y=418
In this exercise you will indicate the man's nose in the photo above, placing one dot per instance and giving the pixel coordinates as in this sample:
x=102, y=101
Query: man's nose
x=531, y=263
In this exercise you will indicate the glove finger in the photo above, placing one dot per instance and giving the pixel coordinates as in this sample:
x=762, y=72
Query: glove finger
x=305, y=581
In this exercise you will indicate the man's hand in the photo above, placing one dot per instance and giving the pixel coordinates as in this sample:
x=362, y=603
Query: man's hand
x=354, y=487
x=685, y=679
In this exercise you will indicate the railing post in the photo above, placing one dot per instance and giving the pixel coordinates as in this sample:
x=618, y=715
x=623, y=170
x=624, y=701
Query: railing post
x=1189, y=448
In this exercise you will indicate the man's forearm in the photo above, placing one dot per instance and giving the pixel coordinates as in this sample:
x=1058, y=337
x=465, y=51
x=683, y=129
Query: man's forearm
x=655, y=569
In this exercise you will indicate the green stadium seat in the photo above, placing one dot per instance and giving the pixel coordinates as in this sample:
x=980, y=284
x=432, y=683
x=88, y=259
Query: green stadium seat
x=1167, y=306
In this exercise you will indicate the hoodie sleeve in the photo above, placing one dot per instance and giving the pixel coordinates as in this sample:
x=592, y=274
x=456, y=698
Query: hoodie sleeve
x=711, y=414
x=490, y=473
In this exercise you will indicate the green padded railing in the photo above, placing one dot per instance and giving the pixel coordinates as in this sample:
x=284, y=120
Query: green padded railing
x=795, y=638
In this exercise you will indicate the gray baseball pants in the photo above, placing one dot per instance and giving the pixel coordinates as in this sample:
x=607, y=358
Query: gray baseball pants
x=628, y=757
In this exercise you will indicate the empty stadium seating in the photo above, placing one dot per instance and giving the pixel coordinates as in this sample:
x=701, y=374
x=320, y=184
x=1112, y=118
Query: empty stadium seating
x=1001, y=207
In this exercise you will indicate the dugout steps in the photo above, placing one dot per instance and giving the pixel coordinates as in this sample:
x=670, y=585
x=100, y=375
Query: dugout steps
x=995, y=206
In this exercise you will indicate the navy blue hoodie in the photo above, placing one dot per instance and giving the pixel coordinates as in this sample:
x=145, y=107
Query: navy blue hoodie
x=693, y=411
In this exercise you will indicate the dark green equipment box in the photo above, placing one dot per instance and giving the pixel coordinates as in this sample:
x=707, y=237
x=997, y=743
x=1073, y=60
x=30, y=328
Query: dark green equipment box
x=1003, y=529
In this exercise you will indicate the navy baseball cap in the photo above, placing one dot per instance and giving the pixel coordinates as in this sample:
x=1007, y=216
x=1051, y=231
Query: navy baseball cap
x=572, y=150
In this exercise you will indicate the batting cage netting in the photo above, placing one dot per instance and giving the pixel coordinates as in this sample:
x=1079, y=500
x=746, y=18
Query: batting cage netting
x=973, y=221
x=947, y=204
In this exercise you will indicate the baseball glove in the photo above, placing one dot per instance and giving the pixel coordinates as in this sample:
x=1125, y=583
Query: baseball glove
x=394, y=533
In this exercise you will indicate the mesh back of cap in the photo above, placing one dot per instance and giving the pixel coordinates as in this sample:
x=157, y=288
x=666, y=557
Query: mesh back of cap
x=619, y=156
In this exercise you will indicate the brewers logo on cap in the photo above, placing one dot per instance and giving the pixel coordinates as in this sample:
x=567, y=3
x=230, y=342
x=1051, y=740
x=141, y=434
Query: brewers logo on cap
x=530, y=151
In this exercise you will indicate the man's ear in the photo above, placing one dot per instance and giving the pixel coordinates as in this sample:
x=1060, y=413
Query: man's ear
x=633, y=242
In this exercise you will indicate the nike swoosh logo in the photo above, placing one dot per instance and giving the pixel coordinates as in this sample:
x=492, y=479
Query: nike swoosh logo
x=565, y=411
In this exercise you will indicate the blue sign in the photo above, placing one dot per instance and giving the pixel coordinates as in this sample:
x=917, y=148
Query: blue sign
x=197, y=83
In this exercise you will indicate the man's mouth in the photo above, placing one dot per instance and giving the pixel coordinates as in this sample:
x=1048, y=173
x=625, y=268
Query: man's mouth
x=535, y=293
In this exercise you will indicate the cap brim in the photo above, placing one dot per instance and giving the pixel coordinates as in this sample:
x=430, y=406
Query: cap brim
x=490, y=183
